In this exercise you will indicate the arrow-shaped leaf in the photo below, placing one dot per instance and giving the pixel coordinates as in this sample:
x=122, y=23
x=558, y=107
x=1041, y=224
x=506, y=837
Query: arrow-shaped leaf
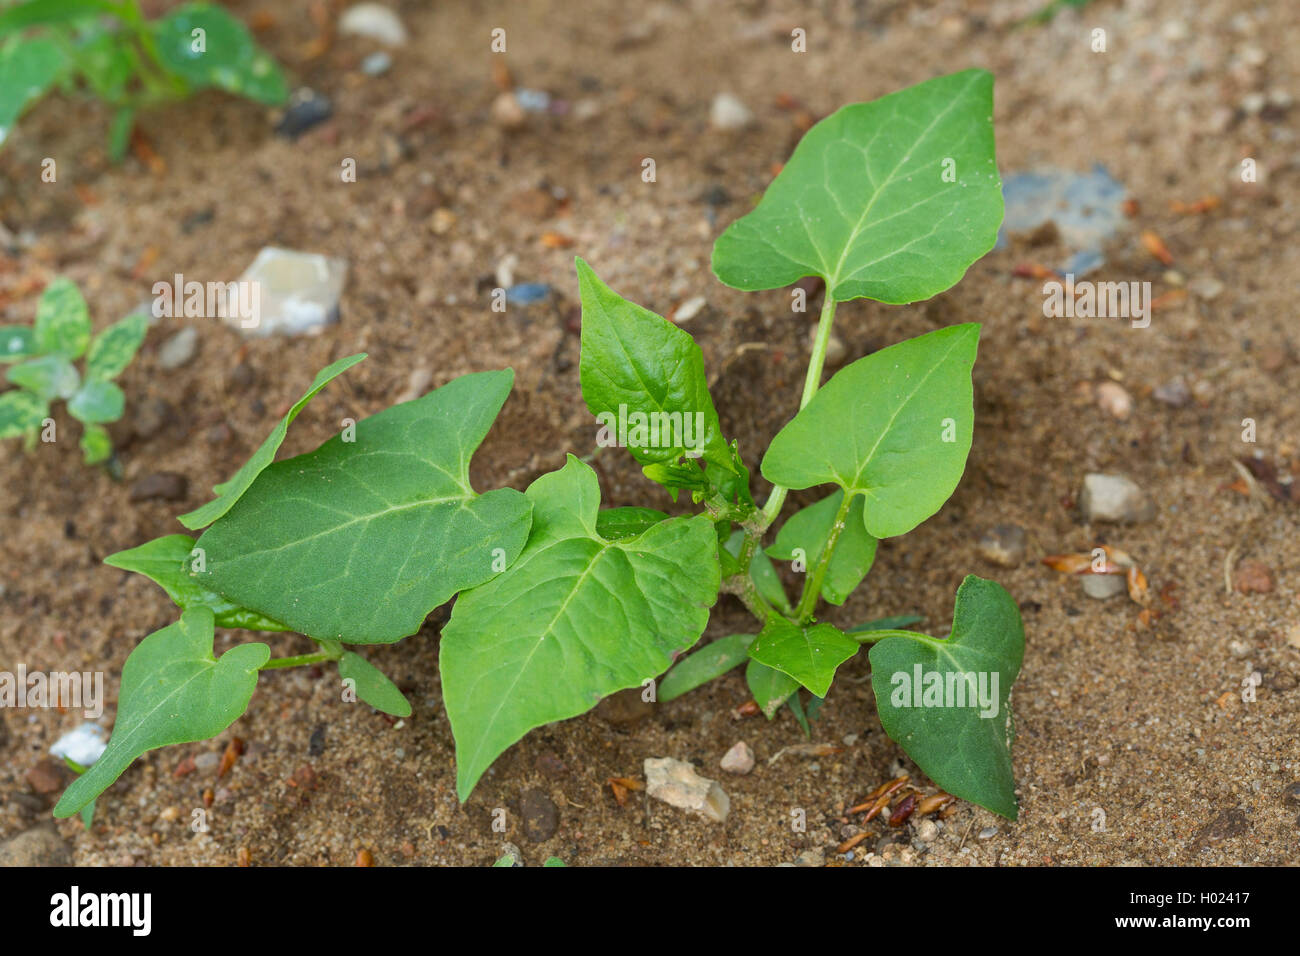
x=372, y=686
x=810, y=654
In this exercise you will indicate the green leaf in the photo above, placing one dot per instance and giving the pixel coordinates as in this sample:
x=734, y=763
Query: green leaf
x=359, y=540
x=28, y=67
x=230, y=491
x=96, y=444
x=643, y=379
x=894, y=427
x=107, y=64
x=706, y=664
x=895, y=623
x=770, y=687
x=809, y=654
x=62, y=320
x=554, y=861
x=21, y=412
x=34, y=13
x=864, y=202
x=223, y=55
x=119, y=133
x=112, y=350
x=961, y=742
x=97, y=402
x=614, y=523
x=808, y=529
x=48, y=377
x=372, y=686
x=17, y=342
x=167, y=561
x=575, y=619
x=174, y=691
x=766, y=581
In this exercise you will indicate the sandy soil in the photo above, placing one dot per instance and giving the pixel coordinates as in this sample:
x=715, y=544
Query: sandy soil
x=1141, y=718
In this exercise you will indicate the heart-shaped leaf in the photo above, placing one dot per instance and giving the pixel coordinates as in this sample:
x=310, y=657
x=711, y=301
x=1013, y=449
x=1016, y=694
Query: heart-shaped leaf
x=359, y=540
x=810, y=654
x=575, y=619
x=112, y=350
x=891, y=200
x=894, y=427
x=807, y=531
x=166, y=561
x=220, y=54
x=48, y=377
x=372, y=686
x=614, y=523
x=946, y=702
x=62, y=320
x=96, y=402
x=174, y=691
x=28, y=67
x=21, y=412
x=709, y=662
x=228, y=492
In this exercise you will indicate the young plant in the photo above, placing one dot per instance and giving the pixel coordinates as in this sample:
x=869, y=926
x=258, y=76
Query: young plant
x=561, y=602
x=108, y=49
x=44, y=353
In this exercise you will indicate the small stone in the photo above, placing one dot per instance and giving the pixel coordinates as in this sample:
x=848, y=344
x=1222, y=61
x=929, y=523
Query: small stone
x=1103, y=586
x=1238, y=648
x=1293, y=636
x=416, y=385
x=306, y=109
x=813, y=857
x=538, y=204
x=45, y=777
x=374, y=21
x=442, y=221
x=739, y=759
x=1205, y=287
x=39, y=846
x=179, y=349
x=1114, y=498
x=1253, y=577
x=297, y=293
x=151, y=416
x=170, y=814
x=689, y=309
x=162, y=485
x=512, y=851
x=1253, y=103
x=927, y=831
x=533, y=101
x=835, y=351
x=1003, y=545
x=507, y=112
x=505, y=270
x=729, y=113
x=540, y=817
x=1174, y=394
x=1114, y=399
x=988, y=833
x=207, y=761
x=377, y=64
x=241, y=377
x=676, y=783
x=624, y=709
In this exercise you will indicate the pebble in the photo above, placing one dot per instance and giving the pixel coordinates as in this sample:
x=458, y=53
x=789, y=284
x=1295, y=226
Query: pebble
x=374, y=21
x=416, y=385
x=507, y=112
x=1114, y=399
x=988, y=833
x=83, y=746
x=1003, y=545
x=1174, y=394
x=39, y=846
x=179, y=349
x=1253, y=103
x=813, y=857
x=512, y=851
x=1103, y=586
x=45, y=777
x=1205, y=287
x=676, y=783
x=162, y=485
x=1114, y=498
x=505, y=270
x=306, y=109
x=927, y=831
x=377, y=64
x=739, y=759
x=835, y=351
x=207, y=761
x=1253, y=577
x=729, y=113
x=299, y=292
x=533, y=101
x=540, y=817
x=689, y=309
x=152, y=416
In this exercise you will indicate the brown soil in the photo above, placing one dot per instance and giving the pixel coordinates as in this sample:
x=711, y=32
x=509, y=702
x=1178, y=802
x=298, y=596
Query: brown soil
x=1142, y=720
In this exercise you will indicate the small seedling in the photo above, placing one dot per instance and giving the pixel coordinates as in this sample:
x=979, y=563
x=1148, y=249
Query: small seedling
x=44, y=370
x=107, y=48
x=561, y=602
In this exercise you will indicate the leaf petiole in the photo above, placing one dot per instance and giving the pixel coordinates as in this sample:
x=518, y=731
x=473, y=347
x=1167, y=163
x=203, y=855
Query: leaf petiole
x=333, y=652
x=812, y=586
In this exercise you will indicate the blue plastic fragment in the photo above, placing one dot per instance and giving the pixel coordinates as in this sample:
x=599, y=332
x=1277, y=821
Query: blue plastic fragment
x=527, y=293
x=1086, y=207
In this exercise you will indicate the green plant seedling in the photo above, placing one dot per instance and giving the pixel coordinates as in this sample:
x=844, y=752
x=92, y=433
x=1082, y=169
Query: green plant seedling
x=41, y=357
x=560, y=602
x=109, y=50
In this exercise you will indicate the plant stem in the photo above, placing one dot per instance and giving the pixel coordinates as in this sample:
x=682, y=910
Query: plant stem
x=812, y=586
x=333, y=652
x=810, y=385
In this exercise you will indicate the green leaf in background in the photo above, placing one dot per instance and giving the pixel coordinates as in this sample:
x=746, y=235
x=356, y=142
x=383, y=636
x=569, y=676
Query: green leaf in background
x=96, y=445
x=892, y=200
x=107, y=64
x=894, y=427
x=28, y=67
x=770, y=687
x=808, y=529
x=34, y=13
x=639, y=368
x=119, y=133
x=166, y=561
x=21, y=412
x=17, y=342
x=372, y=686
x=48, y=377
x=575, y=619
x=895, y=623
x=62, y=320
x=111, y=351
x=962, y=742
x=173, y=691
x=554, y=861
x=766, y=581
x=709, y=662
x=97, y=402
x=810, y=654
x=359, y=540
x=230, y=491
x=614, y=523
x=223, y=56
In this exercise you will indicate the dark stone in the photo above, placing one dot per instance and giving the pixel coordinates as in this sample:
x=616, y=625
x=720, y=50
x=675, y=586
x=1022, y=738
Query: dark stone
x=624, y=709
x=164, y=485
x=306, y=109
x=242, y=377
x=316, y=745
x=151, y=417
x=540, y=817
